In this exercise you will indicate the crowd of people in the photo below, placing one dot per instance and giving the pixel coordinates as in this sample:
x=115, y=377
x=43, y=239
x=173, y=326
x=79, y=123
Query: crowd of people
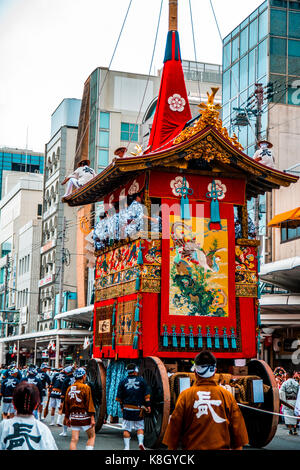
x=28, y=393
x=206, y=415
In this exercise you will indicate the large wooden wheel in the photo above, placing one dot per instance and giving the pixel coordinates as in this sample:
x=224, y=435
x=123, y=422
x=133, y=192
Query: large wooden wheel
x=155, y=374
x=96, y=378
x=262, y=427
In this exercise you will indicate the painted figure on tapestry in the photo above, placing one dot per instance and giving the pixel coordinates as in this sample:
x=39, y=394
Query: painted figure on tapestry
x=198, y=268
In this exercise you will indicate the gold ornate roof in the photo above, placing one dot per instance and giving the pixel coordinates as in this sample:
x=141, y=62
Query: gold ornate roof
x=203, y=148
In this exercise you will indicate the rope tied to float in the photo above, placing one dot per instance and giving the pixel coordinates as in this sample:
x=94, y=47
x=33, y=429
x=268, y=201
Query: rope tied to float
x=268, y=412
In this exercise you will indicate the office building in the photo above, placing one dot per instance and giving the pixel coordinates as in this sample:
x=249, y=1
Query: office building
x=19, y=160
x=265, y=49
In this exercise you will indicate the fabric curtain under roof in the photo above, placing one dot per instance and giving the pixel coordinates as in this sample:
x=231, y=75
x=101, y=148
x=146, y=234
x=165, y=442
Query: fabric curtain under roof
x=289, y=216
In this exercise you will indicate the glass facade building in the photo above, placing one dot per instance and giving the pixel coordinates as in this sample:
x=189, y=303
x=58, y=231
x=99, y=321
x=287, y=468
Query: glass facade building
x=264, y=48
x=20, y=160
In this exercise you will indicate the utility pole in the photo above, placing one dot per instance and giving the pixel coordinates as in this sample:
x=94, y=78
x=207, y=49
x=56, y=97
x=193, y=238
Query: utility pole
x=60, y=292
x=259, y=98
x=4, y=329
x=61, y=276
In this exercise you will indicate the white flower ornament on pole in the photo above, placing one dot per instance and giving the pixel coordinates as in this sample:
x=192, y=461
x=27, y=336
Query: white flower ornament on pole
x=176, y=102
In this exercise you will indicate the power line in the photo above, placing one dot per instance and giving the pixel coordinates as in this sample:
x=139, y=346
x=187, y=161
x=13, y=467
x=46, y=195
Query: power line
x=234, y=78
x=148, y=78
x=102, y=86
x=194, y=45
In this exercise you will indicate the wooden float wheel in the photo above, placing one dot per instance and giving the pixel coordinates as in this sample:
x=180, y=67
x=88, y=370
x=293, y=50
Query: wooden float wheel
x=155, y=374
x=261, y=426
x=96, y=378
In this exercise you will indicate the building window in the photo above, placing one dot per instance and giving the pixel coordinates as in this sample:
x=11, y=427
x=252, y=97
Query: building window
x=288, y=232
x=294, y=57
x=40, y=209
x=262, y=59
x=262, y=25
x=234, y=79
x=5, y=248
x=226, y=55
x=235, y=49
x=252, y=68
x=278, y=22
x=104, y=120
x=253, y=34
x=104, y=139
x=278, y=55
x=226, y=86
x=129, y=132
x=243, y=73
x=102, y=158
x=244, y=41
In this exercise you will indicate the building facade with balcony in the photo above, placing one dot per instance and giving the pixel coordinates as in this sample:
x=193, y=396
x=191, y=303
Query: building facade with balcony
x=58, y=221
x=19, y=263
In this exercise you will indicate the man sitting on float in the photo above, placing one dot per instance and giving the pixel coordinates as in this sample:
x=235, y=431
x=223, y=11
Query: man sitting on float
x=79, y=177
x=264, y=153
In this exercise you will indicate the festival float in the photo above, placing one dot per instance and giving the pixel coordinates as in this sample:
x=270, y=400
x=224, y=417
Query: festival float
x=163, y=295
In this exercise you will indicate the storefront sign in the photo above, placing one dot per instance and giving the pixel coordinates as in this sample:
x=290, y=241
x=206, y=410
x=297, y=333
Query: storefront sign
x=48, y=246
x=46, y=280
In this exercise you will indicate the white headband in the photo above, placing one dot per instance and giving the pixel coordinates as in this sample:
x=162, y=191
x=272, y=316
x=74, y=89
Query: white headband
x=206, y=370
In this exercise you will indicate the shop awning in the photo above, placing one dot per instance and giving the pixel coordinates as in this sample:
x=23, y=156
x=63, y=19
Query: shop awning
x=289, y=216
x=280, y=309
x=284, y=273
x=81, y=315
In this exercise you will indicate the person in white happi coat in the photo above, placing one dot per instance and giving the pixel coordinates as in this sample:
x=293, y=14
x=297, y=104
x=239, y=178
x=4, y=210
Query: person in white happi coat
x=288, y=394
x=82, y=175
x=24, y=431
x=264, y=153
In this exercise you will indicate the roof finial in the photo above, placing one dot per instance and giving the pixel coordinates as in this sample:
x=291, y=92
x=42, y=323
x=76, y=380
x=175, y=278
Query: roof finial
x=173, y=14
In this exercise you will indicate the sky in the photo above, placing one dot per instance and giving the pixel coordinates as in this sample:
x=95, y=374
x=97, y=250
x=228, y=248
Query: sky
x=48, y=48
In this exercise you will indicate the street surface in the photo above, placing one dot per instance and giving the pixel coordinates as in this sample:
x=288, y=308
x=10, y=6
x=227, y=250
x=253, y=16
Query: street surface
x=110, y=438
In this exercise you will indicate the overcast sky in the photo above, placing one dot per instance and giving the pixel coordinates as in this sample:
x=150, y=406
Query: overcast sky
x=48, y=48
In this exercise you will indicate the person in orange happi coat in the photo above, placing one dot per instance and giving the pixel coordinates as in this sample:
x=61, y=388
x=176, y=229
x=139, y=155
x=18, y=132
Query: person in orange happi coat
x=80, y=410
x=206, y=415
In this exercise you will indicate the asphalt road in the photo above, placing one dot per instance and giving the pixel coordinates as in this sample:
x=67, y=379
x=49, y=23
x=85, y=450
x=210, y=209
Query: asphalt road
x=110, y=438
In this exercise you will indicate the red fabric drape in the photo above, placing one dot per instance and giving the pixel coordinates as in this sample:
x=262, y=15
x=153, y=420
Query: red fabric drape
x=172, y=110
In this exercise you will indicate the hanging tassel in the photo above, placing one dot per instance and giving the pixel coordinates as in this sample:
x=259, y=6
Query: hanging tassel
x=137, y=311
x=182, y=337
x=225, y=340
x=215, y=211
x=113, y=320
x=136, y=338
x=184, y=202
x=191, y=338
x=233, y=340
x=165, y=337
x=113, y=341
x=174, y=337
x=208, y=338
x=214, y=194
x=140, y=255
x=217, y=340
x=138, y=281
x=200, y=342
x=185, y=208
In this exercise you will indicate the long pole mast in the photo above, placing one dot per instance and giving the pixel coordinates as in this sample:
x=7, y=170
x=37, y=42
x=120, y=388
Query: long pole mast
x=173, y=15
